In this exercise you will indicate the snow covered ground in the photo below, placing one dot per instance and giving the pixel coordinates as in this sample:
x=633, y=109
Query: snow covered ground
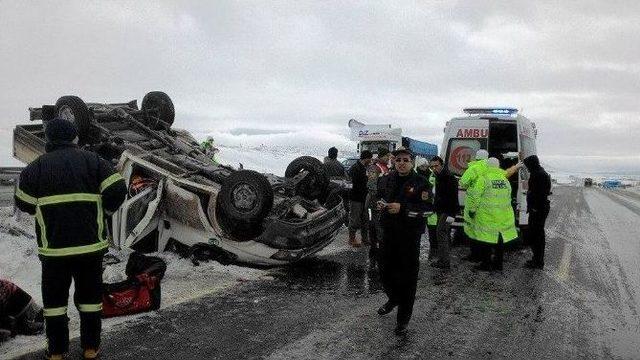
x=183, y=281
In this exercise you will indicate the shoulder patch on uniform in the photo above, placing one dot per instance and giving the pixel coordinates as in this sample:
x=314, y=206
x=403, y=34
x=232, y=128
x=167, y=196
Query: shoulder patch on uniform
x=424, y=195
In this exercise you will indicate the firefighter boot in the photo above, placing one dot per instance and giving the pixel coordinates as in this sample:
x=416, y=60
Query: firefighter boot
x=90, y=353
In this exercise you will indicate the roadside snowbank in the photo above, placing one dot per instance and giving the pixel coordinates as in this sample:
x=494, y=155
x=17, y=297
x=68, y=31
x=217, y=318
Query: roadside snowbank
x=183, y=281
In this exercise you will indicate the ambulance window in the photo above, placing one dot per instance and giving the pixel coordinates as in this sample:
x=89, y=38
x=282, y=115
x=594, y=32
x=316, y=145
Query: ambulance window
x=461, y=151
x=503, y=138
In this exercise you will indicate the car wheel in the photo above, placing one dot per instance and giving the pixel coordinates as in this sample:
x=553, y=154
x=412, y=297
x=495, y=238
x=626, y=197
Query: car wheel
x=314, y=185
x=162, y=104
x=246, y=196
x=72, y=108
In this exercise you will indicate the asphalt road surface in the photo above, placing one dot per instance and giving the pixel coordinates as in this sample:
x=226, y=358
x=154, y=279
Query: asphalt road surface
x=584, y=304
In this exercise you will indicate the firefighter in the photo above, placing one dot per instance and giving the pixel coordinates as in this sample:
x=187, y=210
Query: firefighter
x=538, y=209
x=404, y=194
x=69, y=191
x=489, y=206
x=474, y=170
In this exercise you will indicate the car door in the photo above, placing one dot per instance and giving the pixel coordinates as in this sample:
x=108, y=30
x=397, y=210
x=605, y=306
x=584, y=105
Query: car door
x=136, y=221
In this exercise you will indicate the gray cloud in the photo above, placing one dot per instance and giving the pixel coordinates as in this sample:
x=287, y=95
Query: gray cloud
x=571, y=66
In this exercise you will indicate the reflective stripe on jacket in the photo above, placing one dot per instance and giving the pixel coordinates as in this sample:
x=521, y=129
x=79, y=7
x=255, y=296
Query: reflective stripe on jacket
x=491, y=201
x=432, y=220
x=68, y=189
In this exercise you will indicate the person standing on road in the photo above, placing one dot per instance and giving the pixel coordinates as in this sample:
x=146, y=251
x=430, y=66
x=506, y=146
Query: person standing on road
x=474, y=170
x=358, y=216
x=377, y=169
x=422, y=168
x=404, y=194
x=446, y=206
x=68, y=190
x=538, y=209
x=333, y=167
x=492, y=214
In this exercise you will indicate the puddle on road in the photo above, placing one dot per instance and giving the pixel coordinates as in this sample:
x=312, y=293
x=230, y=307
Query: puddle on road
x=349, y=273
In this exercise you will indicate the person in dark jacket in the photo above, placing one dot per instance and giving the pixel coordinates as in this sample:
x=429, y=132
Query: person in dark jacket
x=69, y=190
x=333, y=167
x=358, y=216
x=404, y=194
x=446, y=207
x=377, y=169
x=19, y=314
x=538, y=209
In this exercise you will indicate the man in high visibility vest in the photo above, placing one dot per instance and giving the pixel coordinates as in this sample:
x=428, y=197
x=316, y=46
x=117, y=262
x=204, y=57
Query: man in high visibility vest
x=69, y=190
x=474, y=170
x=493, y=220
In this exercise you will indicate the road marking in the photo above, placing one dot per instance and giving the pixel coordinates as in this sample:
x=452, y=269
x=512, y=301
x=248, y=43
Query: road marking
x=563, y=270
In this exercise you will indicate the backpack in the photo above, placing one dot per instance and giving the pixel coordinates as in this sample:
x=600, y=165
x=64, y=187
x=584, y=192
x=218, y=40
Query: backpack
x=140, y=292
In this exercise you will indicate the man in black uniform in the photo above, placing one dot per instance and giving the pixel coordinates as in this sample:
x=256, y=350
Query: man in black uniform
x=538, y=209
x=404, y=195
x=68, y=190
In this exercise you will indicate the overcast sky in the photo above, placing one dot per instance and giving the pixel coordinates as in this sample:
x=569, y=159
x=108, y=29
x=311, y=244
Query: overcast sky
x=572, y=67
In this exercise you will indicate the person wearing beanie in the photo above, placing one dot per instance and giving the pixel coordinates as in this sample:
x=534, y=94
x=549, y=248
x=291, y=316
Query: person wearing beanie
x=358, y=216
x=69, y=190
x=489, y=206
x=538, y=208
x=333, y=167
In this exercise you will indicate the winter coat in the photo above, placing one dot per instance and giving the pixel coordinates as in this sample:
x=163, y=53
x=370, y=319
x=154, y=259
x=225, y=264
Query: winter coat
x=358, y=174
x=490, y=200
x=446, y=197
x=475, y=169
x=412, y=192
x=68, y=190
x=539, y=185
x=333, y=167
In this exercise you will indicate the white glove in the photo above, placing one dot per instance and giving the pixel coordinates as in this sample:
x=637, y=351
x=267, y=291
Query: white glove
x=450, y=220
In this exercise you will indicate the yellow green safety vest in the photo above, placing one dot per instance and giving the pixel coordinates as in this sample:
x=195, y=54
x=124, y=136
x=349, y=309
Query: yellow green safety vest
x=432, y=220
x=491, y=201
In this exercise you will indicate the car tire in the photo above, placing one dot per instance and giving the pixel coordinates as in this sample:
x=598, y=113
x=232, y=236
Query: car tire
x=75, y=110
x=246, y=196
x=160, y=102
x=315, y=185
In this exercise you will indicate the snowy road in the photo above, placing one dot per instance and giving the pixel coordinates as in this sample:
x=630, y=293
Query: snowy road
x=583, y=305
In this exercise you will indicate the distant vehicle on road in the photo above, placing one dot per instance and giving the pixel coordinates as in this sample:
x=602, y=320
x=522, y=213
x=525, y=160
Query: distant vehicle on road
x=588, y=182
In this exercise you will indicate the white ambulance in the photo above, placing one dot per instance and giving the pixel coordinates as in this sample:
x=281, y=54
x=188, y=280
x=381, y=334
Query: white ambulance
x=505, y=134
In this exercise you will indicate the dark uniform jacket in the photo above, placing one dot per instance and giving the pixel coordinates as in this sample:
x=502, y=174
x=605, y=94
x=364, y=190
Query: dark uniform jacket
x=68, y=189
x=333, y=167
x=358, y=174
x=539, y=185
x=412, y=192
x=446, y=198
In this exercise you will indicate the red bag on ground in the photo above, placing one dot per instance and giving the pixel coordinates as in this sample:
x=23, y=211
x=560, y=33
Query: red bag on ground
x=134, y=295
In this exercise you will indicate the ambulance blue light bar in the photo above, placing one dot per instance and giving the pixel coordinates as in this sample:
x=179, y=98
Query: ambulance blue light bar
x=490, y=111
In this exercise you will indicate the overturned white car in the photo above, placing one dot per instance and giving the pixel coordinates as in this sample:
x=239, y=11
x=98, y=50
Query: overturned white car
x=179, y=197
